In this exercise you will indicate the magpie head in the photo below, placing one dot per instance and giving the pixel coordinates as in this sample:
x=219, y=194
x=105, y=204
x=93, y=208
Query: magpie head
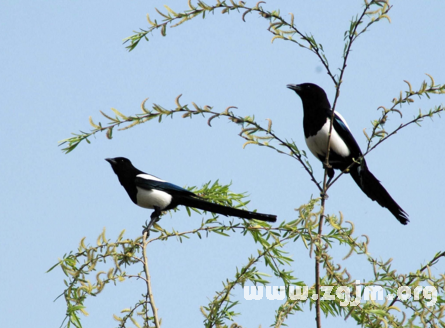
x=311, y=95
x=122, y=166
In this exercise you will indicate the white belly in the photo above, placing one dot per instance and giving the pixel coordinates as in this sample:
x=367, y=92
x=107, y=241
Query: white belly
x=318, y=144
x=151, y=198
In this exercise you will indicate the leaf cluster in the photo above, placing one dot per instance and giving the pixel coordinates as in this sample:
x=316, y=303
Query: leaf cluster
x=271, y=260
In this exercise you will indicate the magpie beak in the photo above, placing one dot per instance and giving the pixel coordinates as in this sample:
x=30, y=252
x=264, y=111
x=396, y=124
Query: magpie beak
x=111, y=160
x=344, y=150
x=294, y=87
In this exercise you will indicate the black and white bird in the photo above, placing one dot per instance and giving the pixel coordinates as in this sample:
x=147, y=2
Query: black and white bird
x=148, y=191
x=343, y=147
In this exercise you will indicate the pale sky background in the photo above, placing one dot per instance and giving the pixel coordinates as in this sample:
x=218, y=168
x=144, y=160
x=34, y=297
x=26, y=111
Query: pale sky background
x=62, y=61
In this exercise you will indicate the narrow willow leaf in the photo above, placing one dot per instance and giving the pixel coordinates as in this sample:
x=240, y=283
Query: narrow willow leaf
x=75, y=320
x=109, y=133
x=276, y=37
x=269, y=126
x=394, y=308
x=163, y=15
x=98, y=275
x=110, y=118
x=432, y=80
x=130, y=126
x=257, y=6
x=349, y=253
x=400, y=113
x=372, y=12
x=293, y=32
x=104, y=240
x=291, y=19
x=211, y=118
x=149, y=21
x=177, y=101
x=117, y=318
x=82, y=244
x=220, y=233
x=119, y=113
x=386, y=16
x=194, y=105
x=249, y=131
x=263, y=138
x=121, y=235
x=181, y=21
x=135, y=322
x=110, y=273
x=93, y=124
x=143, y=106
x=84, y=312
x=170, y=10
x=409, y=85
x=245, y=13
x=248, y=143
x=366, y=135
x=226, y=112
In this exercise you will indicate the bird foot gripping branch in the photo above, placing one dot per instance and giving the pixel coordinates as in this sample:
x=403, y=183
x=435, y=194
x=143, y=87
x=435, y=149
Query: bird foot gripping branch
x=324, y=195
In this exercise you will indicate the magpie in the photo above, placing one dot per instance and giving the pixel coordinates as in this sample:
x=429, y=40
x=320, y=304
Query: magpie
x=150, y=192
x=345, y=154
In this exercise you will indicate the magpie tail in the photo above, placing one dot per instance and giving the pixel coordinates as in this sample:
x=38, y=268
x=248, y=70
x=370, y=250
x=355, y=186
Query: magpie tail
x=225, y=210
x=372, y=187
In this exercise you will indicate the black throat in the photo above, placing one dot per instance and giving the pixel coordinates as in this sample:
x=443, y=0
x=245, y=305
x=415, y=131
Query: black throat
x=127, y=180
x=315, y=116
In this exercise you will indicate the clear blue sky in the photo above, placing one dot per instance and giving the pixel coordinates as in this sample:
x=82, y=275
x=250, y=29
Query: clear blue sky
x=62, y=61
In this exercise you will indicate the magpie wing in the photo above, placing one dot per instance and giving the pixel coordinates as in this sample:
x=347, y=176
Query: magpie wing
x=343, y=131
x=149, y=184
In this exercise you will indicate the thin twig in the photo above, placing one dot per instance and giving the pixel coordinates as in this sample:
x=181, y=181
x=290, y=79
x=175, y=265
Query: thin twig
x=352, y=37
x=415, y=120
x=282, y=143
x=148, y=282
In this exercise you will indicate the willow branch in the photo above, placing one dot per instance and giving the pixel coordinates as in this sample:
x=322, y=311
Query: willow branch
x=148, y=282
